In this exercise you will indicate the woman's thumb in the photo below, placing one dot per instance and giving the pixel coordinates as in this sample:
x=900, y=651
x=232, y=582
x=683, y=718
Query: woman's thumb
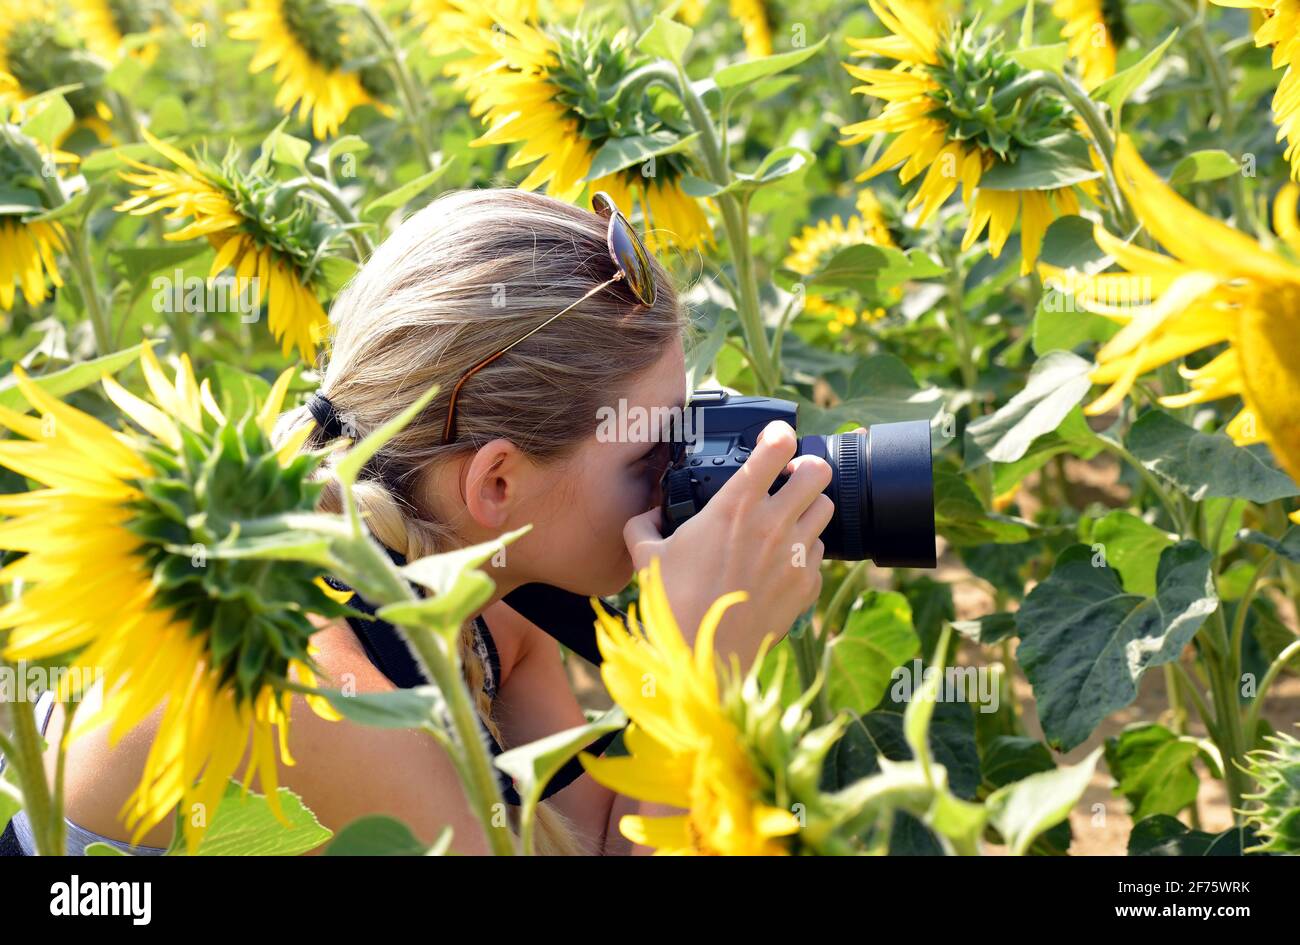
x=642, y=528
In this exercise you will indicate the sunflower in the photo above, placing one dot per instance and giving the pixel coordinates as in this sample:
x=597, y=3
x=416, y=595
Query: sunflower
x=670, y=215
x=239, y=216
x=755, y=26
x=306, y=42
x=35, y=58
x=28, y=244
x=685, y=747
x=1217, y=286
x=442, y=22
x=109, y=578
x=942, y=69
x=814, y=247
x=27, y=258
x=549, y=91
x=105, y=24
x=1094, y=30
x=1281, y=30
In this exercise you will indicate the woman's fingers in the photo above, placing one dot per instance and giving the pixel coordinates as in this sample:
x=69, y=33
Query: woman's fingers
x=748, y=486
x=814, y=520
x=810, y=476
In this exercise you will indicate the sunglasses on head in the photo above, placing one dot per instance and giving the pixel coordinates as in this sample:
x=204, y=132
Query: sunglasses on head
x=632, y=265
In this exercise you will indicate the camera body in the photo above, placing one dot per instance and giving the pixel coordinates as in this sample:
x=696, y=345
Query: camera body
x=881, y=481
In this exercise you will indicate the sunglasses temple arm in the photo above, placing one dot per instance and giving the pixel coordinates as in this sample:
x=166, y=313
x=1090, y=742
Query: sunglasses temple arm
x=451, y=409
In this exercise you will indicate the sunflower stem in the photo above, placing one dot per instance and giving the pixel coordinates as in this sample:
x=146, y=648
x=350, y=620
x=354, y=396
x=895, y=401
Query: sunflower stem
x=411, y=101
x=1087, y=109
x=735, y=215
x=1194, y=21
x=26, y=760
x=345, y=214
x=384, y=585
x=1289, y=652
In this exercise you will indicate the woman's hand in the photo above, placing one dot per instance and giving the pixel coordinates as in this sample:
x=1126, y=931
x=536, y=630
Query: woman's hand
x=768, y=546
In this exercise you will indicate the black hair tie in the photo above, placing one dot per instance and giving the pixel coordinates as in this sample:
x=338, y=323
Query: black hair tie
x=325, y=415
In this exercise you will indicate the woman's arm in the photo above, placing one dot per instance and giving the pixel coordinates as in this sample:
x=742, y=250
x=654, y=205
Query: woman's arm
x=535, y=700
x=344, y=770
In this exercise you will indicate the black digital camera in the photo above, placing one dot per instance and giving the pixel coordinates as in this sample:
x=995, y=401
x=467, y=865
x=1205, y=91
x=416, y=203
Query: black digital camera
x=881, y=481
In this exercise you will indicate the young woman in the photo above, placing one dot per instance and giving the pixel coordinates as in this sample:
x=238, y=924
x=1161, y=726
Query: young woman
x=463, y=279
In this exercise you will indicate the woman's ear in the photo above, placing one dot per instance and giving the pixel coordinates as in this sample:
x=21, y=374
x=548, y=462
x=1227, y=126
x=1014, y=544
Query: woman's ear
x=495, y=479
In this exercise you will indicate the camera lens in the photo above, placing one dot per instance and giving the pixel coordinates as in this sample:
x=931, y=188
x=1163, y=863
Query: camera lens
x=882, y=487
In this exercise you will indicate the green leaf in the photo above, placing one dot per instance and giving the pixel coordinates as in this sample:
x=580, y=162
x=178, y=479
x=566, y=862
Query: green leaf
x=413, y=707
x=533, y=765
x=961, y=518
x=1206, y=464
x=1154, y=769
x=440, y=572
x=666, y=39
x=239, y=393
x=52, y=120
x=288, y=150
x=988, y=629
x=1116, y=90
x=1072, y=436
x=1085, y=642
x=1214, y=164
x=920, y=708
x=1025, y=809
x=111, y=159
x=1288, y=547
x=380, y=835
x=125, y=76
x=244, y=825
x=1058, y=161
x=78, y=204
x=1133, y=548
x=350, y=465
x=1056, y=384
x=138, y=263
x=99, y=848
x=877, y=637
x=11, y=801
x=866, y=268
x=67, y=380
x=1069, y=244
x=778, y=164
x=751, y=70
x=1165, y=835
x=400, y=196
x=19, y=201
x=619, y=153
x=348, y=144
x=1050, y=58
x=1057, y=328
x=336, y=272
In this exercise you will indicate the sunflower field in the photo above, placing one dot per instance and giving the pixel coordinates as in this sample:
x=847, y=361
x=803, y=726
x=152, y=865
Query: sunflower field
x=1065, y=233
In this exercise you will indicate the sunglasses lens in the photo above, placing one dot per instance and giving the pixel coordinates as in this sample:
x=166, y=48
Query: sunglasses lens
x=632, y=258
x=603, y=204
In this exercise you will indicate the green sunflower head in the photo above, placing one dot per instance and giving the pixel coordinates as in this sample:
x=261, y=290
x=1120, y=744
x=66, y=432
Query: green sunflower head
x=1274, y=810
x=41, y=54
x=975, y=75
x=253, y=612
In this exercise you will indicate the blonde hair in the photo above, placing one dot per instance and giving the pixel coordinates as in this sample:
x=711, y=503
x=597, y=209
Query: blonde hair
x=455, y=283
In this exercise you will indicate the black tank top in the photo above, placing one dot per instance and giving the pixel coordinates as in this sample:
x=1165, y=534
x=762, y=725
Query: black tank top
x=388, y=650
